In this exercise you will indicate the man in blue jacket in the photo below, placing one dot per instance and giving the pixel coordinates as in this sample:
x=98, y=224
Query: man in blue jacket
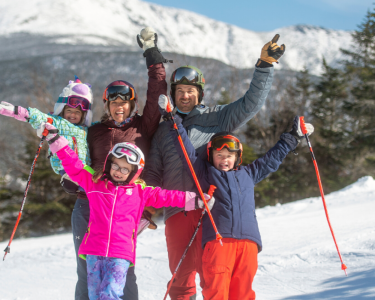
x=164, y=167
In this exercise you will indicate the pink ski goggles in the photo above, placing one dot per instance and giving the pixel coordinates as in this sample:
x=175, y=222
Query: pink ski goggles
x=74, y=101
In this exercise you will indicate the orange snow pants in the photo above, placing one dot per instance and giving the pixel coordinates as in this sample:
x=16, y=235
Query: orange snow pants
x=229, y=270
x=178, y=231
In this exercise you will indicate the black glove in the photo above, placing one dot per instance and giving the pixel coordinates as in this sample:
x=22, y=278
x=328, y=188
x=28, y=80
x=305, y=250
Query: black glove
x=148, y=40
x=293, y=137
x=297, y=130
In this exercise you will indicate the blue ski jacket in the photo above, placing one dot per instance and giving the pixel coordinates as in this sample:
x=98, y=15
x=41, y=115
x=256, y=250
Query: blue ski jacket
x=234, y=208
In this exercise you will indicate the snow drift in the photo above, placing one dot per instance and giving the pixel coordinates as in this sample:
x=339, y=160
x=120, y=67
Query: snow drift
x=299, y=260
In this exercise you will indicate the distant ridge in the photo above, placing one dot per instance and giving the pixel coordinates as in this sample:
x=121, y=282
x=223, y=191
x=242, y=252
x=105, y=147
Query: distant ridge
x=116, y=23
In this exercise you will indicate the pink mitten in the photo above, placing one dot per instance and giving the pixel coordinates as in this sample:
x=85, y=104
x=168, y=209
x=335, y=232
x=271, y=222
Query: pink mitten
x=18, y=112
x=192, y=201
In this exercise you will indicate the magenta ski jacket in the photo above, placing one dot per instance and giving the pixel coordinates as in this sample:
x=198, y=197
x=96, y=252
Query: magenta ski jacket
x=115, y=210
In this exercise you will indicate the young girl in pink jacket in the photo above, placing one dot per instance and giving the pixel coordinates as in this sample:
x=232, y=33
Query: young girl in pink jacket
x=117, y=198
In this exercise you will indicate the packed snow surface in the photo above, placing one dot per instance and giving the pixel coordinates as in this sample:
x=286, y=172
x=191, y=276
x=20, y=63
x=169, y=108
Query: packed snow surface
x=117, y=22
x=298, y=261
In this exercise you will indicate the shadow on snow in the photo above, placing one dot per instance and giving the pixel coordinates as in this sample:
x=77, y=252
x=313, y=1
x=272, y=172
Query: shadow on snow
x=357, y=286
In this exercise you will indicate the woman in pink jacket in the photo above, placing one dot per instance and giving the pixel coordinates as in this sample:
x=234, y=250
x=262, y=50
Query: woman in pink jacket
x=117, y=198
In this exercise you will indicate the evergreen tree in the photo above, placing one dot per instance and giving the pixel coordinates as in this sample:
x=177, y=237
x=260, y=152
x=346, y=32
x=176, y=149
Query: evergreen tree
x=302, y=92
x=48, y=208
x=332, y=128
x=360, y=68
x=294, y=179
x=224, y=98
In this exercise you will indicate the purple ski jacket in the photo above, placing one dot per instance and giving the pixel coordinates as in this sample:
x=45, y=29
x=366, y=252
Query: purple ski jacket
x=115, y=210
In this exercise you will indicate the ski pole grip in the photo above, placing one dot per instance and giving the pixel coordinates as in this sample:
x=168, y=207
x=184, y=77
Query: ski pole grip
x=168, y=108
x=211, y=190
x=303, y=125
x=45, y=132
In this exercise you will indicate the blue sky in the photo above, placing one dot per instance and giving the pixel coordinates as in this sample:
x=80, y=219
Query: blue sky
x=267, y=15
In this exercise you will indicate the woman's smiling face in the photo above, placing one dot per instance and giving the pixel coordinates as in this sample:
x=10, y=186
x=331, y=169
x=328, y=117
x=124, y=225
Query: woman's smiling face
x=119, y=109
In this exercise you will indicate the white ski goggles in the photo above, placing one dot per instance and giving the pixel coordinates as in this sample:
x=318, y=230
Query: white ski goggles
x=132, y=156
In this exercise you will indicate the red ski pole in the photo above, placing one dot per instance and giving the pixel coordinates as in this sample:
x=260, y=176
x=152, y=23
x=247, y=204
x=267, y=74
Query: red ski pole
x=218, y=236
x=304, y=131
x=45, y=132
x=210, y=192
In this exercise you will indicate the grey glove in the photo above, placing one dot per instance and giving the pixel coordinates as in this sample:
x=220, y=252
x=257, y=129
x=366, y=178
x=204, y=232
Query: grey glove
x=163, y=103
x=192, y=201
x=148, y=40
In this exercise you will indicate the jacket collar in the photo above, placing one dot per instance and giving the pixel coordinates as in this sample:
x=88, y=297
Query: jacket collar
x=112, y=124
x=197, y=110
x=121, y=184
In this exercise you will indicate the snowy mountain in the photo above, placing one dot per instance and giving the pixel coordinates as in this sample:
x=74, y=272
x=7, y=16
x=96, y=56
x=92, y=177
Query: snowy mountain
x=117, y=22
x=298, y=262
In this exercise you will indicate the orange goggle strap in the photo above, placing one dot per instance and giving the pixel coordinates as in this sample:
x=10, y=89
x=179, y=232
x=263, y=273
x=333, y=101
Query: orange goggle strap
x=228, y=139
x=105, y=97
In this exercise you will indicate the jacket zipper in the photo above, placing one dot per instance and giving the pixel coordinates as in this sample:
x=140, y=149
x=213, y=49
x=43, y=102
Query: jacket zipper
x=238, y=184
x=110, y=222
x=88, y=233
x=133, y=240
x=75, y=145
x=113, y=137
x=239, y=202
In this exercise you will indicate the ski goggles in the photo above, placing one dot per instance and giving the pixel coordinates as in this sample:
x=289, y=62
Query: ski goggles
x=229, y=141
x=132, y=156
x=123, y=91
x=186, y=76
x=75, y=101
x=116, y=167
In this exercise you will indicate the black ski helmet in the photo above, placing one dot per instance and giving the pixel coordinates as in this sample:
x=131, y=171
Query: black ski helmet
x=228, y=140
x=187, y=75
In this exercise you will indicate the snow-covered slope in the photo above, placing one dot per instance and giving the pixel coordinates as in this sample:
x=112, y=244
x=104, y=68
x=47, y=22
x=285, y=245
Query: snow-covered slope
x=116, y=22
x=298, y=262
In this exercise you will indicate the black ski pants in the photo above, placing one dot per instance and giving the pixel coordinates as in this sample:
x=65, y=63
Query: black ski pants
x=80, y=221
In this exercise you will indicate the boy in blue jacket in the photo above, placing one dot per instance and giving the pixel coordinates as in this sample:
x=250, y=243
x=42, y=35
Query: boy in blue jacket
x=229, y=270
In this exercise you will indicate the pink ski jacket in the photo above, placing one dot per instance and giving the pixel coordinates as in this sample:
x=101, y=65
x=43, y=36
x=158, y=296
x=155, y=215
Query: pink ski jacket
x=114, y=211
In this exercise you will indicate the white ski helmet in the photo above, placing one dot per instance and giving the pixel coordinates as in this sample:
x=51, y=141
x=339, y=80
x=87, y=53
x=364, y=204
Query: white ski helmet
x=79, y=94
x=134, y=156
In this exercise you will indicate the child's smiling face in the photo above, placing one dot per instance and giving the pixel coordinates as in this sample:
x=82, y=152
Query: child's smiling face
x=73, y=115
x=223, y=159
x=120, y=164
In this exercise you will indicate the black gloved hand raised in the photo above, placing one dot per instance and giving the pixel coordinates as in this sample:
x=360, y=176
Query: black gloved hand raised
x=297, y=130
x=148, y=40
x=293, y=137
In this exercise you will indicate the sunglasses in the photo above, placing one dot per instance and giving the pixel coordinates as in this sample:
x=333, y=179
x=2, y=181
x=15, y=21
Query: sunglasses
x=116, y=167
